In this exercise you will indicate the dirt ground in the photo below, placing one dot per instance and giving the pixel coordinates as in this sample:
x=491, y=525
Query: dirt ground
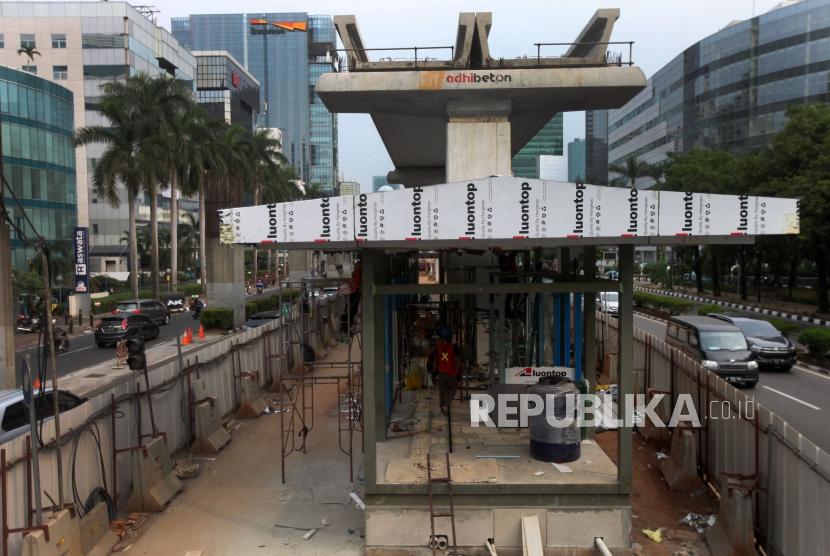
x=654, y=506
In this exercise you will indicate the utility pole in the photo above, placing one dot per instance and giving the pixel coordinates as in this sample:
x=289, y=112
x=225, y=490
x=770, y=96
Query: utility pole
x=50, y=342
x=8, y=307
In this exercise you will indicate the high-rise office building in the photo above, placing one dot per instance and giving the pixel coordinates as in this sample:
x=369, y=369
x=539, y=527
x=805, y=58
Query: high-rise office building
x=348, y=187
x=730, y=90
x=576, y=161
x=552, y=167
x=596, y=147
x=83, y=45
x=548, y=140
x=36, y=117
x=225, y=89
x=286, y=52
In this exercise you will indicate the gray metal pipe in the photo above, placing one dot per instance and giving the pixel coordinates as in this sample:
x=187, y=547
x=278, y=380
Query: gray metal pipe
x=600, y=544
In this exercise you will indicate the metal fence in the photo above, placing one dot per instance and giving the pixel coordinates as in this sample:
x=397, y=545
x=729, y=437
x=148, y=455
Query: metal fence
x=219, y=363
x=790, y=475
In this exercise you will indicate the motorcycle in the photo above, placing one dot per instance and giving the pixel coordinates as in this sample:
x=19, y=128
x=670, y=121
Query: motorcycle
x=196, y=307
x=61, y=340
x=27, y=325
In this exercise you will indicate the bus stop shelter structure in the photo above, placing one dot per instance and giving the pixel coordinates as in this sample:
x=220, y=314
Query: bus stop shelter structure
x=470, y=225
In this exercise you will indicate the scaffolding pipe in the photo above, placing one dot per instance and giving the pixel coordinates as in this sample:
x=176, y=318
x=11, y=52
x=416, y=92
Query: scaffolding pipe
x=601, y=547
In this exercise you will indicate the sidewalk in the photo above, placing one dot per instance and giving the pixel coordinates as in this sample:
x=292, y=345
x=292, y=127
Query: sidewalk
x=238, y=505
x=782, y=309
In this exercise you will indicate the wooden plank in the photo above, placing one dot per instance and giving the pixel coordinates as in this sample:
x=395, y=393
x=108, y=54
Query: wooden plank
x=531, y=537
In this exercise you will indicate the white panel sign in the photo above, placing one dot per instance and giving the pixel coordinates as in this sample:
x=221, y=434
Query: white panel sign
x=329, y=219
x=507, y=208
x=531, y=375
x=704, y=214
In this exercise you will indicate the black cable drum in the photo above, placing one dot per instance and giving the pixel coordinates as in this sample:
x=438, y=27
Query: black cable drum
x=549, y=443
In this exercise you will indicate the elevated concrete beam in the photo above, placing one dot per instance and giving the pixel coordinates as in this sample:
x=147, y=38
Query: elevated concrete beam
x=481, y=48
x=598, y=30
x=346, y=26
x=464, y=39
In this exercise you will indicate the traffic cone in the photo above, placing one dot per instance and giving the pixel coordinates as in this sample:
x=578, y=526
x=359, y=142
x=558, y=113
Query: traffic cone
x=201, y=332
x=185, y=339
x=189, y=334
x=36, y=384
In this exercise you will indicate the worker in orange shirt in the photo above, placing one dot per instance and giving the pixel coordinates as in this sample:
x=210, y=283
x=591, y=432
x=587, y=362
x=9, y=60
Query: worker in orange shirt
x=445, y=364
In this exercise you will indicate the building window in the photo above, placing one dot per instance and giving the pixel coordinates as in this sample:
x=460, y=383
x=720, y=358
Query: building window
x=30, y=69
x=58, y=40
x=27, y=41
x=2, y=41
x=60, y=73
x=95, y=229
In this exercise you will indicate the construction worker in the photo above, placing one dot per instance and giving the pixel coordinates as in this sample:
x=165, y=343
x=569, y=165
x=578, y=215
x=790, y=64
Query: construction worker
x=445, y=365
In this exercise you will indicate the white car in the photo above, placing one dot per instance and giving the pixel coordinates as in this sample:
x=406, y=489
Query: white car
x=14, y=415
x=609, y=302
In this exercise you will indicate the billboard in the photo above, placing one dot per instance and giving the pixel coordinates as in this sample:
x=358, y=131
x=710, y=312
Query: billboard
x=511, y=209
x=80, y=242
x=316, y=221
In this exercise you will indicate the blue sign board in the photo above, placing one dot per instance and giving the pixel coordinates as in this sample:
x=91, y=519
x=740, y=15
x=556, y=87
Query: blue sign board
x=81, y=258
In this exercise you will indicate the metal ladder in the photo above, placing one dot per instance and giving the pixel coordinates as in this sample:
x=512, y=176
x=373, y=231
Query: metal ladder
x=434, y=542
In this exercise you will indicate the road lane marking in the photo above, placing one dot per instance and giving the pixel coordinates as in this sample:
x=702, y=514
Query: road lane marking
x=825, y=376
x=74, y=351
x=793, y=398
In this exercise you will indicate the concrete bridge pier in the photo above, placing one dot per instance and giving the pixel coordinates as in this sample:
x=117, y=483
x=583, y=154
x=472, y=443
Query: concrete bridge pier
x=478, y=139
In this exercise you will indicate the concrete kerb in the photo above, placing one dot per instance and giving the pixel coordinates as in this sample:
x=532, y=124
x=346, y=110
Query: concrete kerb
x=805, y=319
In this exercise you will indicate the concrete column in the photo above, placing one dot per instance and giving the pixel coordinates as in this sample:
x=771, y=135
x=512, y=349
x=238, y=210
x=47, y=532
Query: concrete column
x=226, y=278
x=8, y=311
x=626, y=351
x=478, y=139
x=374, y=405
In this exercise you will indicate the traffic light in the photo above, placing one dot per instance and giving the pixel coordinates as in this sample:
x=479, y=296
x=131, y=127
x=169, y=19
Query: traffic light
x=136, y=358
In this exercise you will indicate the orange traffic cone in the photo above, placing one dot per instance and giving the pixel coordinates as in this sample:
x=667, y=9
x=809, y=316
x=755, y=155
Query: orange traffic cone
x=189, y=334
x=185, y=339
x=201, y=331
x=36, y=384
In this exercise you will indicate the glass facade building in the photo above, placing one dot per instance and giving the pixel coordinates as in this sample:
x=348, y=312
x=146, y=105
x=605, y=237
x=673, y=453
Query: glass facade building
x=83, y=45
x=596, y=147
x=286, y=52
x=576, y=161
x=37, y=122
x=225, y=89
x=732, y=89
x=548, y=141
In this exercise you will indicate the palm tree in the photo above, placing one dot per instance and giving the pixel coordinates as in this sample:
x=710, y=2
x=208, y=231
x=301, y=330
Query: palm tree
x=120, y=163
x=189, y=238
x=29, y=51
x=657, y=172
x=630, y=170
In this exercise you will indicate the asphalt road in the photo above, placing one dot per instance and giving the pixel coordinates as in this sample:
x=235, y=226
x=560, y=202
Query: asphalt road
x=801, y=397
x=84, y=353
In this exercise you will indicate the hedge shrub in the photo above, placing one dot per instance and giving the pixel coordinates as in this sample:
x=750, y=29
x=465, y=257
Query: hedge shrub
x=786, y=327
x=270, y=303
x=704, y=310
x=217, y=318
x=817, y=341
x=661, y=303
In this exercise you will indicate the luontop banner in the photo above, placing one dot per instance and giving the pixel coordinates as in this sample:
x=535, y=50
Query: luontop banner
x=508, y=209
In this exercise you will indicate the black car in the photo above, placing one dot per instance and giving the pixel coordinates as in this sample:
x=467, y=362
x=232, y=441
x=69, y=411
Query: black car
x=263, y=317
x=771, y=348
x=175, y=303
x=717, y=345
x=150, y=308
x=114, y=328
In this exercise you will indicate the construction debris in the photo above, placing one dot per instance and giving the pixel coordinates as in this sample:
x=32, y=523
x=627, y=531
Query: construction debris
x=360, y=504
x=699, y=522
x=562, y=468
x=186, y=471
x=655, y=535
x=310, y=533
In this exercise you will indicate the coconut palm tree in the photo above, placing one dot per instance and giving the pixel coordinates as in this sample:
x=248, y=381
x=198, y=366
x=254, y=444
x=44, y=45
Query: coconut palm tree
x=120, y=164
x=29, y=51
x=630, y=170
x=656, y=172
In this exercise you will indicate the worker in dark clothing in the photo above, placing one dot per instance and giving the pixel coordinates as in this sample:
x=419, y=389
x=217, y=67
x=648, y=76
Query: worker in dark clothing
x=353, y=290
x=445, y=365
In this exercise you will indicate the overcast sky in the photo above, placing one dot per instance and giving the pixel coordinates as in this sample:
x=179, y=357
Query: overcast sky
x=661, y=29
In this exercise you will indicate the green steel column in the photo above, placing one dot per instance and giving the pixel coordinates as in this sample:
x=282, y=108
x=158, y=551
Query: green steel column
x=589, y=257
x=626, y=361
x=373, y=361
